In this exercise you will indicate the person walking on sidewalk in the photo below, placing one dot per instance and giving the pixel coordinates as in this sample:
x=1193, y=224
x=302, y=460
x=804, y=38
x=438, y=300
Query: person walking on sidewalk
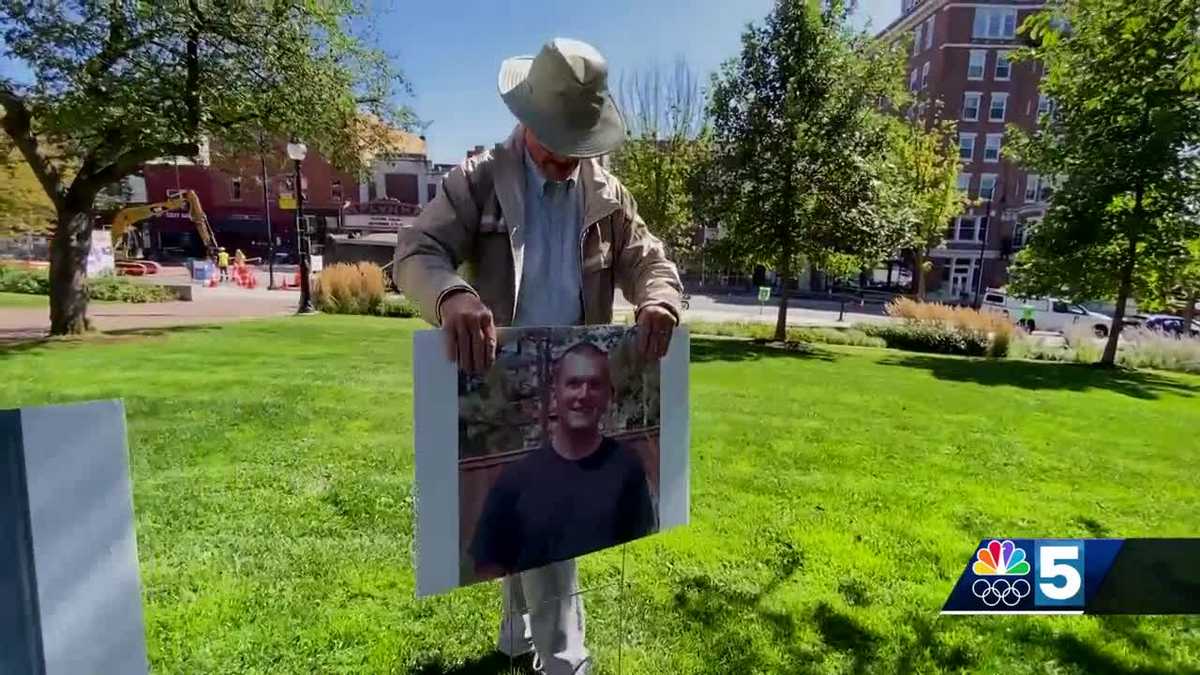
x=548, y=235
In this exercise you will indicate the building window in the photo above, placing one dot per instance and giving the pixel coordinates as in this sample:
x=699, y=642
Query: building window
x=971, y=102
x=918, y=40
x=966, y=147
x=1037, y=189
x=964, y=182
x=430, y=191
x=987, y=186
x=966, y=229
x=235, y=190
x=991, y=148
x=981, y=228
x=335, y=191
x=912, y=80
x=925, y=75
x=929, y=32
x=1003, y=66
x=976, y=64
x=998, y=107
x=995, y=23
x=1045, y=106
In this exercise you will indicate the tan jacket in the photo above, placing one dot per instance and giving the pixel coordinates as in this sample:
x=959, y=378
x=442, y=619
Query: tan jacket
x=470, y=237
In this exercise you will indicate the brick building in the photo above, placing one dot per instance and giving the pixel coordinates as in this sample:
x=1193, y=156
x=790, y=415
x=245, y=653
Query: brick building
x=231, y=192
x=958, y=66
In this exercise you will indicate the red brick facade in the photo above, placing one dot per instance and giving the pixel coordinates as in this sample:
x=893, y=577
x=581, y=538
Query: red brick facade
x=232, y=195
x=968, y=39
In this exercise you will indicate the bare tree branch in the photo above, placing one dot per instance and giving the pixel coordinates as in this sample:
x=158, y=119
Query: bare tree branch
x=18, y=124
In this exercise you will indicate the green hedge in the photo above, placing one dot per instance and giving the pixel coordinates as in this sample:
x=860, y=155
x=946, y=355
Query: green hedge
x=399, y=307
x=936, y=338
x=107, y=289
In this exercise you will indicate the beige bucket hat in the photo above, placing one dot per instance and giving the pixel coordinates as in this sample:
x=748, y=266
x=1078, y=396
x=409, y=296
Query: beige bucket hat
x=562, y=96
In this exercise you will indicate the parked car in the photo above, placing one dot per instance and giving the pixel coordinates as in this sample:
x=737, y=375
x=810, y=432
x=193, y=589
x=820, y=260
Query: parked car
x=1048, y=313
x=1172, y=325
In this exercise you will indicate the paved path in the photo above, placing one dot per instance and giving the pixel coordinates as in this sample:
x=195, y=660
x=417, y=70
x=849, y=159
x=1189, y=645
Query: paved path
x=211, y=305
x=801, y=312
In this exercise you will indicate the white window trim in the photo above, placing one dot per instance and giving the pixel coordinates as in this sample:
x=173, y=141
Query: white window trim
x=968, y=176
x=912, y=79
x=966, y=135
x=983, y=178
x=918, y=38
x=1002, y=56
x=978, y=105
x=982, y=67
x=925, y=75
x=998, y=96
x=929, y=25
x=1002, y=11
x=999, y=147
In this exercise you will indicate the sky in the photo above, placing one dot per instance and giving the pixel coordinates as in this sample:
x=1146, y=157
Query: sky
x=450, y=51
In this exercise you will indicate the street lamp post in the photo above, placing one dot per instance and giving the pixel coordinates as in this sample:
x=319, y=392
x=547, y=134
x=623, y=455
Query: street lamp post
x=997, y=187
x=296, y=152
x=262, y=149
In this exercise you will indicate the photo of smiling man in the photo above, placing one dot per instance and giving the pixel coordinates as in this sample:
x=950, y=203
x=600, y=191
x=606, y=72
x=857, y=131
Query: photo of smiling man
x=576, y=489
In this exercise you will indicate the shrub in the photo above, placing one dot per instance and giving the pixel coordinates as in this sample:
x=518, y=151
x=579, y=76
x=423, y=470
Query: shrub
x=107, y=289
x=399, y=307
x=973, y=327
x=934, y=337
x=766, y=331
x=350, y=289
x=1142, y=348
x=116, y=289
x=28, y=281
x=1084, y=344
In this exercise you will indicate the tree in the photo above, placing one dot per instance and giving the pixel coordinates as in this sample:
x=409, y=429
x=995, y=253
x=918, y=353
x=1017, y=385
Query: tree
x=927, y=164
x=664, y=113
x=800, y=139
x=118, y=83
x=1172, y=276
x=24, y=208
x=1124, y=76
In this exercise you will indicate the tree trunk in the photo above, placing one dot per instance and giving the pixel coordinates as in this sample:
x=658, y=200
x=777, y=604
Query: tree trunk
x=1189, y=312
x=1114, y=332
x=68, y=273
x=781, y=321
x=919, y=272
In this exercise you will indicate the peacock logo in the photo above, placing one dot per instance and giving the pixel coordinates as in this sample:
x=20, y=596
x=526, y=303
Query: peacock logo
x=1000, y=558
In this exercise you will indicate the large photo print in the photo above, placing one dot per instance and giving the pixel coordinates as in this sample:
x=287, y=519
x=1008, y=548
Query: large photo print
x=558, y=450
x=571, y=443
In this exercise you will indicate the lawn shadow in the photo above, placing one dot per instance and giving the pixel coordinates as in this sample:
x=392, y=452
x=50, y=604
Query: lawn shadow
x=705, y=349
x=1089, y=657
x=492, y=664
x=18, y=343
x=1035, y=375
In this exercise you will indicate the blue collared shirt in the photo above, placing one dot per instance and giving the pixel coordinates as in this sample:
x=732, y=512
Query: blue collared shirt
x=551, y=292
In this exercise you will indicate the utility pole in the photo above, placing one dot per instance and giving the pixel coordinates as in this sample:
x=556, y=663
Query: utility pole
x=262, y=149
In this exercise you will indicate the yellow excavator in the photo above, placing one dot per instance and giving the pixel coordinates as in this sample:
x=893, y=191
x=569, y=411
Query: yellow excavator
x=129, y=217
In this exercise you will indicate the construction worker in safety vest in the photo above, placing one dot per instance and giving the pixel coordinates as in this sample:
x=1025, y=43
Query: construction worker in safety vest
x=223, y=263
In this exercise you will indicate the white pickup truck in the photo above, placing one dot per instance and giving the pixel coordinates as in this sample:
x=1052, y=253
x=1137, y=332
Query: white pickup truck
x=1048, y=313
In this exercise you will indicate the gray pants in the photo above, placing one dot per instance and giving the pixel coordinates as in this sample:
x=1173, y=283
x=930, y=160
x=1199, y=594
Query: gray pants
x=544, y=612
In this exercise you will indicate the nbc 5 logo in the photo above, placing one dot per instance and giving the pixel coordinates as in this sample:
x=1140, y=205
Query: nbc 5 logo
x=1059, y=573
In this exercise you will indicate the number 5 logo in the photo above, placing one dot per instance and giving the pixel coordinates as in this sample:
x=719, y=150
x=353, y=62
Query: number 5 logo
x=1059, y=573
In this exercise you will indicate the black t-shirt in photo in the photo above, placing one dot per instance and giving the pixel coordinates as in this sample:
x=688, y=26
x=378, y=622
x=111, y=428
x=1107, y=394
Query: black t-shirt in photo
x=545, y=508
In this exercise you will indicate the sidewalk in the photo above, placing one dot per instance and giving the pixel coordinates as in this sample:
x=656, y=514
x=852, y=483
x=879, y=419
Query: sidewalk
x=211, y=305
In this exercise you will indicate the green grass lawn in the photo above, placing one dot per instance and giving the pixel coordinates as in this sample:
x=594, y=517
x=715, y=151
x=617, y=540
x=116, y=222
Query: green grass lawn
x=23, y=300
x=836, y=497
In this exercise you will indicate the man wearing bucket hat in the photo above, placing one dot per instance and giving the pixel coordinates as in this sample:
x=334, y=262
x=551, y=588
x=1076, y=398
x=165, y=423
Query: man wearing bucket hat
x=536, y=232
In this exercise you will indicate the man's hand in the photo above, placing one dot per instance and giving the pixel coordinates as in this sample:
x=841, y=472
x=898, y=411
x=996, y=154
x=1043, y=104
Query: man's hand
x=655, y=324
x=470, y=332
